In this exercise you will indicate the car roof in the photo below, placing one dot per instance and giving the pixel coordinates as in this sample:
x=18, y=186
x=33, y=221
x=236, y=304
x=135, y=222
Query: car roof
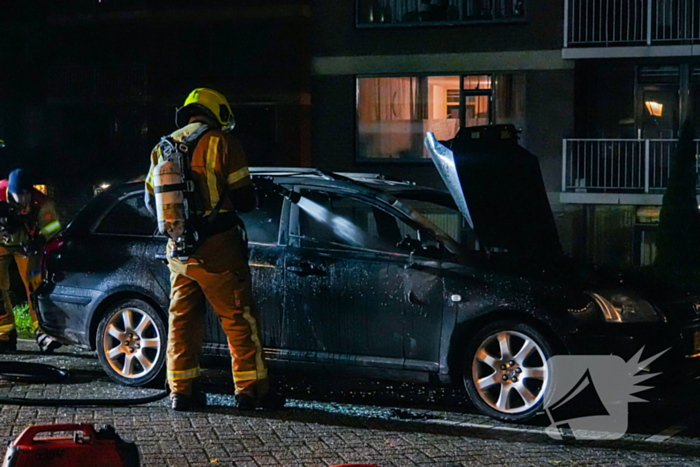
x=357, y=181
x=370, y=185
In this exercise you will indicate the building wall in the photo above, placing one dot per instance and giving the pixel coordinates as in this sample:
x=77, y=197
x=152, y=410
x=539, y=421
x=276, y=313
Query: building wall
x=338, y=35
x=549, y=118
x=343, y=50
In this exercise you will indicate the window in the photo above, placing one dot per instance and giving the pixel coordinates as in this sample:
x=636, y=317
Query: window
x=395, y=113
x=335, y=220
x=378, y=13
x=128, y=217
x=446, y=218
x=263, y=223
x=659, y=93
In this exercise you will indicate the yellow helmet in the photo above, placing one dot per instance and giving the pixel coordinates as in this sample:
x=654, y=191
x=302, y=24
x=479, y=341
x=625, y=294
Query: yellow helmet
x=204, y=101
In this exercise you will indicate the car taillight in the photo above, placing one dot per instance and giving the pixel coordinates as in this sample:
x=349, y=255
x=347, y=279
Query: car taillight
x=49, y=249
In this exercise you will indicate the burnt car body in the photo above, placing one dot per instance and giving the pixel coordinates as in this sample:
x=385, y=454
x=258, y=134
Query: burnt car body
x=364, y=275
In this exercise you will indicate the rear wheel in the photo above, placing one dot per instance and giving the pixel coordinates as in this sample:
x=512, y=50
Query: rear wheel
x=131, y=341
x=506, y=374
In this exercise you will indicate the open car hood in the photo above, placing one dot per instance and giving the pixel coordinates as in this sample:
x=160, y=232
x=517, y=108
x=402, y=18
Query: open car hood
x=498, y=187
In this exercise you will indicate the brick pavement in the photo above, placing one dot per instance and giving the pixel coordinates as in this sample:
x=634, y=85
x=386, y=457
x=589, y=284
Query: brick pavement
x=310, y=433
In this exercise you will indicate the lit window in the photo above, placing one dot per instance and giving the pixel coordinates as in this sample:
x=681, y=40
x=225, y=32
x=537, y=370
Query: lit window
x=655, y=108
x=395, y=113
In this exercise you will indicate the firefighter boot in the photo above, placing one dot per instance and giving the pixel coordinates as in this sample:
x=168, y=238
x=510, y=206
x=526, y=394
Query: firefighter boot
x=9, y=344
x=183, y=403
x=46, y=343
x=180, y=402
x=244, y=402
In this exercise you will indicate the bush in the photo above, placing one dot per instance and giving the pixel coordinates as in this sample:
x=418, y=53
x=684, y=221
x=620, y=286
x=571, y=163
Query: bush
x=679, y=224
x=23, y=321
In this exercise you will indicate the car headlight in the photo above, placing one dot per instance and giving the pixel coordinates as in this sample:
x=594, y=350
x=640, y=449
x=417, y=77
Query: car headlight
x=621, y=308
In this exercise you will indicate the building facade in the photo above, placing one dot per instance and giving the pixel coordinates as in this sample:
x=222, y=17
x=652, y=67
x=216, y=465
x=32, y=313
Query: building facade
x=637, y=80
x=599, y=89
x=385, y=72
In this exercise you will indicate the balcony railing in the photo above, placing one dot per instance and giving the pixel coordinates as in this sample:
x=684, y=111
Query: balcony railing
x=606, y=23
x=379, y=13
x=618, y=165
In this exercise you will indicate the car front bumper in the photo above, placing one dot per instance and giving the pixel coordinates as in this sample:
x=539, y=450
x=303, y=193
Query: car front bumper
x=677, y=344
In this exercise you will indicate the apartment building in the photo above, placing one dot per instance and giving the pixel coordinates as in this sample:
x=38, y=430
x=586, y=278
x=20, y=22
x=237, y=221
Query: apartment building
x=637, y=79
x=598, y=87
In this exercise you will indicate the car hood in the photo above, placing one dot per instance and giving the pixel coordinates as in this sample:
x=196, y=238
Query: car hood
x=498, y=187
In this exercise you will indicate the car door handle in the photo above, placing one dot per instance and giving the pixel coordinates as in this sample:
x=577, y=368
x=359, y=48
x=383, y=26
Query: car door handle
x=414, y=300
x=305, y=269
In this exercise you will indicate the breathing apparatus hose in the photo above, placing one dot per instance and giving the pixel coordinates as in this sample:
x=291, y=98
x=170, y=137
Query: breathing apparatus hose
x=41, y=373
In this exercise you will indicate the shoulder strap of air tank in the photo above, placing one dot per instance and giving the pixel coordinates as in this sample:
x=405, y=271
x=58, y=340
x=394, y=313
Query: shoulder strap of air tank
x=196, y=135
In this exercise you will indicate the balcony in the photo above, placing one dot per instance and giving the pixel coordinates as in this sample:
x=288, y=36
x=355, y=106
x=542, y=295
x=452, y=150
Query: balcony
x=617, y=171
x=631, y=28
x=394, y=13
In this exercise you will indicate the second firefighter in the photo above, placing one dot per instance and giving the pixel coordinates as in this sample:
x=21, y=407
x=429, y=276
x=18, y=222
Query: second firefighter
x=29, y=220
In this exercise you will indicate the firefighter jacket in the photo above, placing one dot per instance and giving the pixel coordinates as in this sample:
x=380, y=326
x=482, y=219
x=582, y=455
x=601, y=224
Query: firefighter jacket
x=38, y=219
x=218, y=164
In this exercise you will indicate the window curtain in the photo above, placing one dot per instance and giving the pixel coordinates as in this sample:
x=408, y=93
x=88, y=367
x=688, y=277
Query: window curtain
x=390, y=116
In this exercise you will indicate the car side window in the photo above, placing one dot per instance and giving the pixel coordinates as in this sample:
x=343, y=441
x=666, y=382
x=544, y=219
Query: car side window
x=128, y=217
x=263, y=222
x=342, y=221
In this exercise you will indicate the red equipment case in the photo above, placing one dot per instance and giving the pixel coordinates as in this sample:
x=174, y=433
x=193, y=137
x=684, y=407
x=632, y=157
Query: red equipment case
x=88, y=448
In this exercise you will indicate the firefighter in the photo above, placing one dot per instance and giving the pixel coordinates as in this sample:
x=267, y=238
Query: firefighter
x=217, y=270
x=35, y=221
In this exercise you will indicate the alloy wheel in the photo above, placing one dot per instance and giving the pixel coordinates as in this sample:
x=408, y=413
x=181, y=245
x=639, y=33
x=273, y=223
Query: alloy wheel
x=510, y=372
x=132, y=343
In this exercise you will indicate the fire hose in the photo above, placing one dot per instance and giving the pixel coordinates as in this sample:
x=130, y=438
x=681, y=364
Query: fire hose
x=47, y=374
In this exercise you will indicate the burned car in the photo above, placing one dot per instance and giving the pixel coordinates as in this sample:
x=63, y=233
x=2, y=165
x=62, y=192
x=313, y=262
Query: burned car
x=365, y=275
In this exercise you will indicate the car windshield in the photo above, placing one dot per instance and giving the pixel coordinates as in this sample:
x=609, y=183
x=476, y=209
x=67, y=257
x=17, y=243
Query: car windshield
x=443, y=218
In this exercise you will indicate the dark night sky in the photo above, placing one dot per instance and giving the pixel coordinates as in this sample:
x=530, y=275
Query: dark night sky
x=85, y=97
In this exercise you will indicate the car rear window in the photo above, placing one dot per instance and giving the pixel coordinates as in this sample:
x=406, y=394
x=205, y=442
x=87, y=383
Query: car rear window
x=128, y=217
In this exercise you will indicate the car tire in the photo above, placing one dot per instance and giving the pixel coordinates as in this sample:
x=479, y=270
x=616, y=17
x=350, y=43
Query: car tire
x=505, y=371
x=131, y=343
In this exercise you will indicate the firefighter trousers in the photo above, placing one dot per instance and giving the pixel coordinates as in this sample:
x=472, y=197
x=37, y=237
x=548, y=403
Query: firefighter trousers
x=217, y=272
x=31, y=277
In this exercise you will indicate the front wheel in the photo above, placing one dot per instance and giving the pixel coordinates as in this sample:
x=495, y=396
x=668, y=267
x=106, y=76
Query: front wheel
x=131, y=341
x=506, y=374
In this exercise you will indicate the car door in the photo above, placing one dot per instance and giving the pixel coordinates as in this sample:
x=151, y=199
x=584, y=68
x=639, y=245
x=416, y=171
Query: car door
x=351, y=293
x=266, y=259
x=266, y=238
